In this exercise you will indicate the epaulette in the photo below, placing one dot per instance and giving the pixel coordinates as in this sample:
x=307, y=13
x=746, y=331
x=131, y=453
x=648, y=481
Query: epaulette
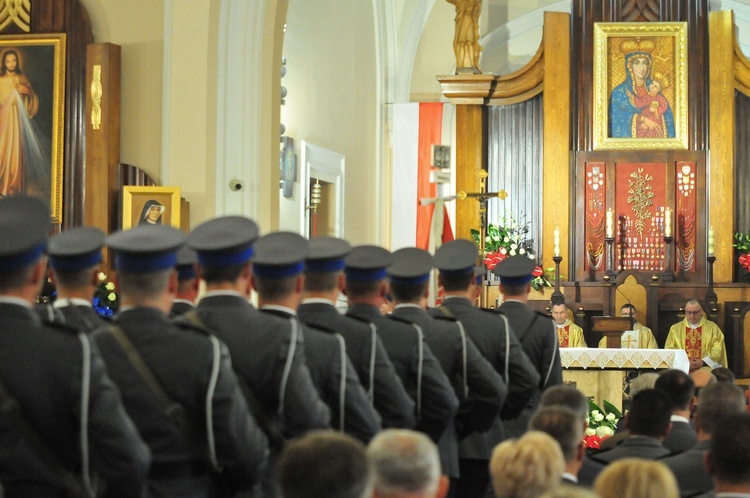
x=445, y=317
x=360, y=319
x=61, y=327
x=495, y=312
x=192, y=322
x=545, y=315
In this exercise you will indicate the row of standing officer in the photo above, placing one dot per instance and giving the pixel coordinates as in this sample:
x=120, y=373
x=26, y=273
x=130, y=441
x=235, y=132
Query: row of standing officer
x=368, y=371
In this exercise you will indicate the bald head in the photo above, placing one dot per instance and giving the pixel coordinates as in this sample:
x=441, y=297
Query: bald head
x=406, y=463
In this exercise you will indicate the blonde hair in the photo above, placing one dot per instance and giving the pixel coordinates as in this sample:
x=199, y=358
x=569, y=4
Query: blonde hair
x=526, y=467
x=570, y=491
x=636, y=478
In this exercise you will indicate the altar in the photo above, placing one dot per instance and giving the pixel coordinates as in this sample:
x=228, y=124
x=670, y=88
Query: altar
x=599, y=373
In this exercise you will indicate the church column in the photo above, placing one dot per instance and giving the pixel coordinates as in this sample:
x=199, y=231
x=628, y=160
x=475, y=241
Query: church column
x=469, y=93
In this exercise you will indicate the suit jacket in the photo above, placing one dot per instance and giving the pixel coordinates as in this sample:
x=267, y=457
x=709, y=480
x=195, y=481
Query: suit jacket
x=370, y=360
x=690, y=470
x=77, y=317
x=325, y=355
x=423, y=378
x=682, y=437
x=182, y=361
x=644, y=447
x=538, y=337
x=180, y=307
x=260, y=345
x=477, y=385
x=589, y=471
x=41, y=366
x=499, y=346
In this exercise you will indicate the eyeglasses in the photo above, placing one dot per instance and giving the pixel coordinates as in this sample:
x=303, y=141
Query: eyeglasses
x=693, y=312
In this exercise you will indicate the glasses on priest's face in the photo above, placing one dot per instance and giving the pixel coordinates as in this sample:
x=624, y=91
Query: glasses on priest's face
x=697, y=312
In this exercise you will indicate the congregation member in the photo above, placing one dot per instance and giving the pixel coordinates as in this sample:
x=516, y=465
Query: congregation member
x=723, y=374
x=565, y=427
x=728, y=459
x=636, y=478
x=48, y=372
x=324, y=282
x=569, y=491
x=267, y=351
x=74, y=258
x=643, y=381
x=648, y=423
x=478, y=386
x=366, y=286
x=680, y=389
x=571, y=398
x=406, y=465
x=490, y=331
x=278, y=278
x=701, y=338
x=325, y=464
x=526, y=467
x=534, y=331
x=569, y=335
x=188, y=283
x=176, y=380
x=718, y=401
x=646, y=339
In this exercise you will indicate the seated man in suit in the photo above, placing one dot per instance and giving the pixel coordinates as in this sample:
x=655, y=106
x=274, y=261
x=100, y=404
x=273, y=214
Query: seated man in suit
x=648, y=423
x=646, y=339
x=679, y=388
x=565, y=427
x=717, y=402
x=407, y=464
x=569, y=335
x=728, y=459
x=325, y=463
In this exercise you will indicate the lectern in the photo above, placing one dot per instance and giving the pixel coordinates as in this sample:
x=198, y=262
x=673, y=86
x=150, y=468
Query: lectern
x=612, y=328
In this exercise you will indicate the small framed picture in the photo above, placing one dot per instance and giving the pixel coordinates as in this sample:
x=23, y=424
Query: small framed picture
x=150, y=206
x=640, y=86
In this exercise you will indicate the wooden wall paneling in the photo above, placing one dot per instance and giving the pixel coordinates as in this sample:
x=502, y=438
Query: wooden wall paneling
x=70, y=17
x=721, y=140
x=695, y=13
x=103, y=142
x=470, y=159
x=556, y=137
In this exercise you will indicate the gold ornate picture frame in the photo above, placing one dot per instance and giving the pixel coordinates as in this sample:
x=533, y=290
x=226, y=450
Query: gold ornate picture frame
x=640, y=86
x=32, y=117
x=150, y=205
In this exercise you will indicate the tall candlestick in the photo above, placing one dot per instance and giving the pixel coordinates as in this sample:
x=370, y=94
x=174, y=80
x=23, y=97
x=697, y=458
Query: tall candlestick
x=711, y=241
x=668, y=223
x=610, y=224
x=557, y=241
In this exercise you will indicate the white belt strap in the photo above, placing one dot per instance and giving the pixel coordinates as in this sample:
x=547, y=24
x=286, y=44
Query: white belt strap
x=209, y=401
x=464, y=355
x=420, y=366
x=507, y=350
x=288, y=364
x=552, y=362
x=85, y=393
x=373, y=346
x=342, y=387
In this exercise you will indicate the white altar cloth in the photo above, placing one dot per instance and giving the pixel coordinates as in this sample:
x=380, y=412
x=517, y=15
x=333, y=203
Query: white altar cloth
x=624, y=359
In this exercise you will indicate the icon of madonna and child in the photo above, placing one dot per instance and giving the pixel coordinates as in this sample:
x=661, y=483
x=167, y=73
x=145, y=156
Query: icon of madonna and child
x=638, y=107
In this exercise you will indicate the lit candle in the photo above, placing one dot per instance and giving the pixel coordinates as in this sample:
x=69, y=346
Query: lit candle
x=610, y=224
x=557, y=242
x=668, y=223
x=711, y=241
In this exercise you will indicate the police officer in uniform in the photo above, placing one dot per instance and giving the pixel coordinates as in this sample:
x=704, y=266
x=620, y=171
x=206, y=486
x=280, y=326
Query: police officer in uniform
x=493, y=337
x=177, y=381
x=188, y=283
x=279, y=281
x=324, y=281
x=478, y=386
x=74, y=257
x=366, y=286
x=534, y=331
x=267, y=352
x=59, y=407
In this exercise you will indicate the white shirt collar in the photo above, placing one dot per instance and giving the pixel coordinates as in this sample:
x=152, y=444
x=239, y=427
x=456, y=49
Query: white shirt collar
x=318, y=300
x=223, y=292
x=283, y=309
x=183, y=301
x=678, y=418
x=64, y=302
x=570, y=477
x=15, y=300
x=407, y=305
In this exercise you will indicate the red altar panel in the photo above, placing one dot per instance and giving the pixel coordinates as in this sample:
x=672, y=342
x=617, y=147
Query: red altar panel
x=685, y=200
x=640, y=202
x=596, y=188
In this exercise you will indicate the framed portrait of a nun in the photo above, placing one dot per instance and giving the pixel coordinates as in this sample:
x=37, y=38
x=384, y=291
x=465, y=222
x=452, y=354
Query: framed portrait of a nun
x=150, y=206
